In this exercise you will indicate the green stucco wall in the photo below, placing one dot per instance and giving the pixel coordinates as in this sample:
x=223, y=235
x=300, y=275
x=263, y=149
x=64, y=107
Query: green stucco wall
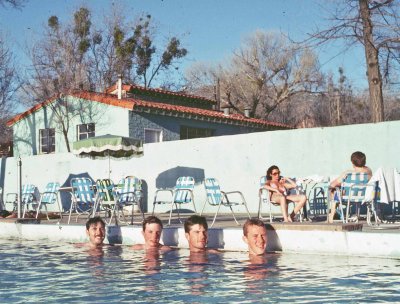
x=107, y=119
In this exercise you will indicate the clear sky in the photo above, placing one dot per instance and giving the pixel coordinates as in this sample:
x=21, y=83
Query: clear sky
x=209, y=29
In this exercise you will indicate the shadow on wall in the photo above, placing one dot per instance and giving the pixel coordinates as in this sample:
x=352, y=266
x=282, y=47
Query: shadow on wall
x=66, y=195
x=145, y=190
x=216, y=238
x=273, y=243
x=114, y=235
x=167, y=178
x=170, y=236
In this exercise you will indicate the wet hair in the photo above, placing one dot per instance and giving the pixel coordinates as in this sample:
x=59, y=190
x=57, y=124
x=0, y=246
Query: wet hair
x=252, y=222
x=358, y=159
x=151, y=220
x=269, y=171
x=193, y=220
x=95, y=220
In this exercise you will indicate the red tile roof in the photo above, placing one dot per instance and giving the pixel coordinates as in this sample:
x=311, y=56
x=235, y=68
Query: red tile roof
x=129, y=87
x=132, y=104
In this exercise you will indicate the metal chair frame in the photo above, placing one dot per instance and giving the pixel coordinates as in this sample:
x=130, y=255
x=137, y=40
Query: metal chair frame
x=217, y=197
x=352, y=191
x=28, y=197
x=182, y=193
x=84, y=199
x=128, y=192
x=107, y=197
x=49, y=197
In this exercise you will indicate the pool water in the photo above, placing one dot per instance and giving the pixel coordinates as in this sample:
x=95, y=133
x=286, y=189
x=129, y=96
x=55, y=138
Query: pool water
x=33, y=272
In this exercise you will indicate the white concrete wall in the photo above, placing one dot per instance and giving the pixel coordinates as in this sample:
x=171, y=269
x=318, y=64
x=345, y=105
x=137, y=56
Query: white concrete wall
x=371, y=244
x=236, y=161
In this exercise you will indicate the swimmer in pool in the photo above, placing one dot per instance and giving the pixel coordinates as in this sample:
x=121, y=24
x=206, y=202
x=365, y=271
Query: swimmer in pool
x=152, y=229
x=196, y=232
x=96, y=231
x=255, y=236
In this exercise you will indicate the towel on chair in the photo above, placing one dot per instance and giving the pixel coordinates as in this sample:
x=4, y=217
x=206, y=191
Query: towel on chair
x=389, y=183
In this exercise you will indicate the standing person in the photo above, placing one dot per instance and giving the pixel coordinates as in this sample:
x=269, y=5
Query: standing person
x=279, y=187
x=152, y=230
x=196, y=232
x=96, y=231
x=255, y=236
x=358, y=160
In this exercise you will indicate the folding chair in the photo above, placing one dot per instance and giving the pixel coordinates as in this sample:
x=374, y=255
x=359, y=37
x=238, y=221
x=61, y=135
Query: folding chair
x=29, y=196
x=84, y=199
x=106, y=191
x=182, y=193
x=11, y=199
x=49, y=197
x=217, y=198
x=352, y=191
x=128, y=192
x=264, y=196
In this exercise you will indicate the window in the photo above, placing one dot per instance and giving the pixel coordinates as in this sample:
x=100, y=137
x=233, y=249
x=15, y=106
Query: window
x=47, y=140
x=85, y=131
x=189, y=132
x=152, y=136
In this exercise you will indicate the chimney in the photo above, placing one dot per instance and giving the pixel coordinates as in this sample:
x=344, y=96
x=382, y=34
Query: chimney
x=247, y=112
x=217, y=95
x=226, y=107
x=119, y=86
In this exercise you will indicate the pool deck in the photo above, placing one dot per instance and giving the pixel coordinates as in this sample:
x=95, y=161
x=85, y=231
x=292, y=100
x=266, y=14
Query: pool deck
x=317, y=237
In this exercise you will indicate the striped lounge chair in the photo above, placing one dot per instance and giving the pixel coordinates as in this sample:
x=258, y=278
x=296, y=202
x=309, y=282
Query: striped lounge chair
x=182, y=193
x=217, y=198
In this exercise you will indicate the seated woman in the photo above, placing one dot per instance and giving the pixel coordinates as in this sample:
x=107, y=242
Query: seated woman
x=279, y=192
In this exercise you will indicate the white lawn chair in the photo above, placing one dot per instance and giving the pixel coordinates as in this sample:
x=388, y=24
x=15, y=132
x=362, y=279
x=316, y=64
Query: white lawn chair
x=182, y=193
x=49, y=197
x=217, y=198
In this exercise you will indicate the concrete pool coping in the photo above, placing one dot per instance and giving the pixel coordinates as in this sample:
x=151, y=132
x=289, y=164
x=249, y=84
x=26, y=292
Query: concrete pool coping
x=316, y=237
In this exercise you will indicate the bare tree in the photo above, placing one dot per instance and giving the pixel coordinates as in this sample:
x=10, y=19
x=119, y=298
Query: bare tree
x=264, y=73
x=9, y=84
x=78, y=55
x=375, y=25
x=139, y=57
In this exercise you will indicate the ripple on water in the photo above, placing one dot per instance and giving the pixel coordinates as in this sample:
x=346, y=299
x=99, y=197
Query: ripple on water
x=32, y=272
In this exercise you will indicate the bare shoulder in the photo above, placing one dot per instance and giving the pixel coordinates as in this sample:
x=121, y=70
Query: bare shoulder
x=138, y=247
x=213, y=251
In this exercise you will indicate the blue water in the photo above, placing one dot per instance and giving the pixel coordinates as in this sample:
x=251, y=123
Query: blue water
x=33, y=272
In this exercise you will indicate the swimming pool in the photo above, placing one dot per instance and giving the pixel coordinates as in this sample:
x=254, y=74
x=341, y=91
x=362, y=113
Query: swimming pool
x=32, y=272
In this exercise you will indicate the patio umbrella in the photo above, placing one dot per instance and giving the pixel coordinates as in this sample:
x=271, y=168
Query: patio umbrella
x=108, y=146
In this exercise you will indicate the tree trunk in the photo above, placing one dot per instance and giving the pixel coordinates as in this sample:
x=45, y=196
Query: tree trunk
x=65, y=133
x=371, y=57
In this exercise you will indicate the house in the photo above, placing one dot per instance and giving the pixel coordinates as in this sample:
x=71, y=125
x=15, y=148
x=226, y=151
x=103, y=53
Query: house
x=153, y=115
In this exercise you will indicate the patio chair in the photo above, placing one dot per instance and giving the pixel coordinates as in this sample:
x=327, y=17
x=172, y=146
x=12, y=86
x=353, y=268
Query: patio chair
x=128, y=192
x=49, y=197
x=29, y=197
x=352, y=191
x=265, y=197
x=182, y=193
x=106, y=191
x=84, y=199
x=217, y=198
